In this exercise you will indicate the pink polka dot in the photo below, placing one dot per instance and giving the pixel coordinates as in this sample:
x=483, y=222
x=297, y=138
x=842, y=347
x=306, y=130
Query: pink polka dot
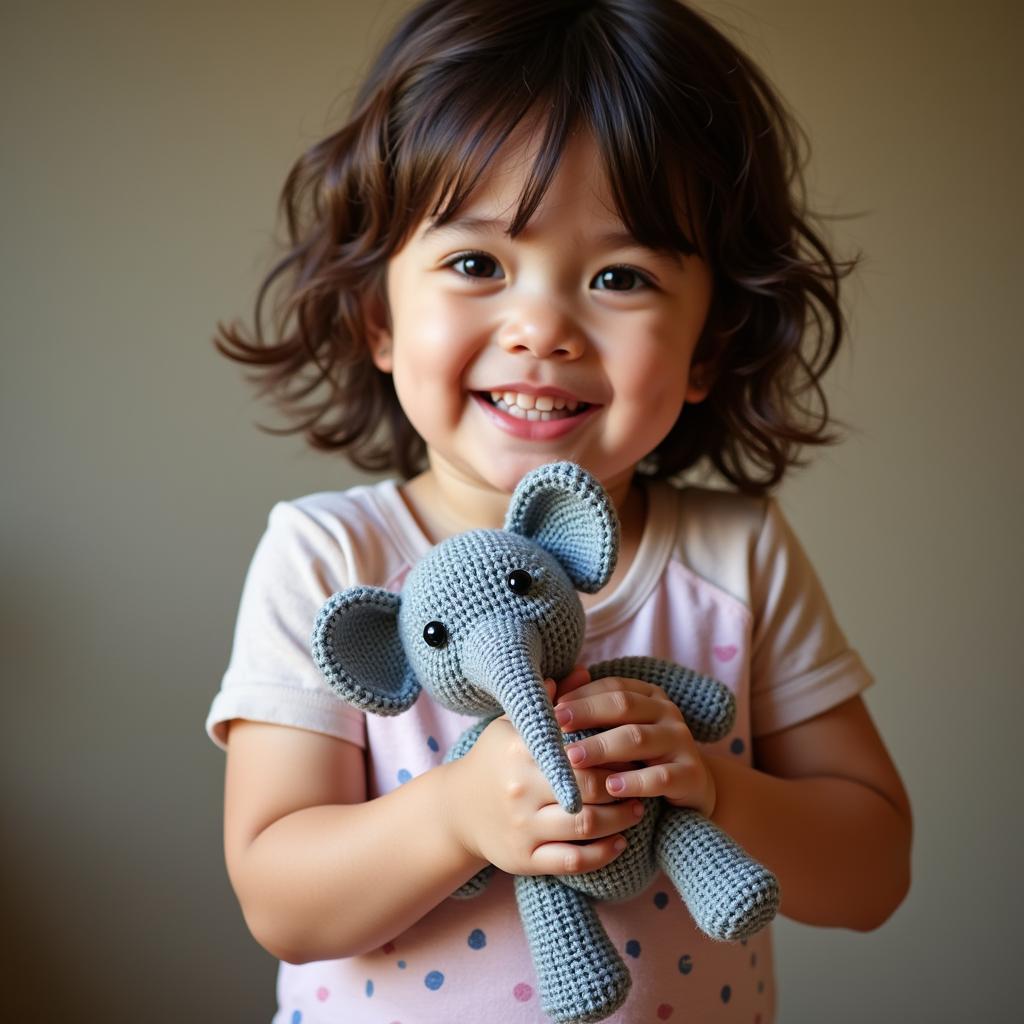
x=664, y=1011
x=388, y=947
x=523, y=992
x=322, y=993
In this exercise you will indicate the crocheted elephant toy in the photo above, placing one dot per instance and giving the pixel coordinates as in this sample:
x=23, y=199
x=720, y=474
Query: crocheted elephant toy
x=482, y=620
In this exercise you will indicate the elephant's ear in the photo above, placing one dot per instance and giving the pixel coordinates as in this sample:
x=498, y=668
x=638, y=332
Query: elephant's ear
x=356, y=645
x=567, y=512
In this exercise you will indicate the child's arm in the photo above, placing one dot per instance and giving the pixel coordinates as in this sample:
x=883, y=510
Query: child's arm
x=824, y=809
x=322, y=873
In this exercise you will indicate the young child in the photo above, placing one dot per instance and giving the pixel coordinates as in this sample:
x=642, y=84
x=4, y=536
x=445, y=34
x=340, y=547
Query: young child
x=553, y=229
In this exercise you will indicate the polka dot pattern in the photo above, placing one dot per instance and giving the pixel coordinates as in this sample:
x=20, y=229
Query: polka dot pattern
x=477, y=939
x=665, y=1011
x=661, y=900
x=369, y=988
x=404, y=775
x=633, y=948
x=434, y=980
x=726, y=993
x=523, y=993
x=737, y=746
x=433, y=744
x=322, y=993
x=685, y=965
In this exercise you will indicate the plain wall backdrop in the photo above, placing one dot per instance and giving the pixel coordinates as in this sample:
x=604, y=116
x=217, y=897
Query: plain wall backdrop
x=144, y=145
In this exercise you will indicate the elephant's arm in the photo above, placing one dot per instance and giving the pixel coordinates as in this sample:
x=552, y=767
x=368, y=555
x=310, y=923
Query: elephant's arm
x=707, y=705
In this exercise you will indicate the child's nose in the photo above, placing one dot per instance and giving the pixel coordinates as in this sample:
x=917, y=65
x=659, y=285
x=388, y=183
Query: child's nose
x=542, y=331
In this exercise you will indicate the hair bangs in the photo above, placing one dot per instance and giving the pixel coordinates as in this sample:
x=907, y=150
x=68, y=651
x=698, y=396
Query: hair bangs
x=591, y=81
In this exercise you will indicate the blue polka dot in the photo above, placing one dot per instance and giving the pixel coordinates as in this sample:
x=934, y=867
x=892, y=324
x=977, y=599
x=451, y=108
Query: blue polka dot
x=685, y=964
x=297, y=1017
x=743, y=942
x=401, y=965
x=753, y=959
x=661, y=900
x=726, y=993
x=434, y=980
x=477, y=939
x=737, y=746
x=433, y=744
x=404, y=775
x=633, y=948
x=760, y=987
x=369, y=988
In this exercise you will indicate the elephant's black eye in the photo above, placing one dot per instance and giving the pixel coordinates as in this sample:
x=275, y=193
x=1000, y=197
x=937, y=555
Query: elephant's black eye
x=435, y=634
x=519, y=581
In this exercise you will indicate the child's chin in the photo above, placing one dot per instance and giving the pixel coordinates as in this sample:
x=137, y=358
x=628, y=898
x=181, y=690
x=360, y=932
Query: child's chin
x=508, y=470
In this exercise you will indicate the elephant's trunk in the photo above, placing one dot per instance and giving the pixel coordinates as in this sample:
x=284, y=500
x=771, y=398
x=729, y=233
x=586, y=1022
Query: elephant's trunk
x=504, y=660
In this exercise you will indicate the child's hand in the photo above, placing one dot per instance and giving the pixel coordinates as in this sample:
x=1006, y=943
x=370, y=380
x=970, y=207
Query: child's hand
x=502, y=810
x=641, y=725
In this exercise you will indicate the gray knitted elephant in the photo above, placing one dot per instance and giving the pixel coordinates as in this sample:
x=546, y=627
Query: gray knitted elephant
x=482, y=620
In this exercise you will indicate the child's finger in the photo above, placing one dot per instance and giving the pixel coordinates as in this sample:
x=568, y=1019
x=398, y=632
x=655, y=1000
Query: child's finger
x=611, y=708
x=630, y=742
x=683, y=784
x=575, y=859
x=578, y=677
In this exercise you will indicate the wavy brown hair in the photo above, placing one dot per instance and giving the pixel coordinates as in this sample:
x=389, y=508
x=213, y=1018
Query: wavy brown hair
x=691, y=133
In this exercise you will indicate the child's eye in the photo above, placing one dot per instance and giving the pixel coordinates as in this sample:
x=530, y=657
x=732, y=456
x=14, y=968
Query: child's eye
x=620, y=279
x=475, y=264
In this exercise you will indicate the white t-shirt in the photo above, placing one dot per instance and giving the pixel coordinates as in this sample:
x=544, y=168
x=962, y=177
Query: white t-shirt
x=719, y=583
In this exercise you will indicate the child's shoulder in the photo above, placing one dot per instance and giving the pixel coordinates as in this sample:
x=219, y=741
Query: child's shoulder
x=711, y=518
x=368, y=525
x=716, y=533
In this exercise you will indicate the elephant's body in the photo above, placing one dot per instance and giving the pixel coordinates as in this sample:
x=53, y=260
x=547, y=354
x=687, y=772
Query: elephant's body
x=482, y=620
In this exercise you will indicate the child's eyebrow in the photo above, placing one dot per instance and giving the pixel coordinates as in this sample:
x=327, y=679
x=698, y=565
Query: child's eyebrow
x=607, y=239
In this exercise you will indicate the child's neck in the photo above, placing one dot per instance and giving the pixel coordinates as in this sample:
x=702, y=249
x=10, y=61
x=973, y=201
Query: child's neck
x=443, y=507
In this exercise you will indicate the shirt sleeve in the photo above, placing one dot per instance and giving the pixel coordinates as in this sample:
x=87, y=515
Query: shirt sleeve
x=801, y=662
x=271, y=675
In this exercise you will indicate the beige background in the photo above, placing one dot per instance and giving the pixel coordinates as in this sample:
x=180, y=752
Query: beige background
x=143, y=148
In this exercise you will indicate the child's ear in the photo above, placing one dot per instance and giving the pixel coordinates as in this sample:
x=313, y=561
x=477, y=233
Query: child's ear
x=702, y=378
x=378, y=334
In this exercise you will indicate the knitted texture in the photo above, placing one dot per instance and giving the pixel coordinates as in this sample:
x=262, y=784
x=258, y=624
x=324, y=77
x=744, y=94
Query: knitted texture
x=566, y=511
x=580, y=975
x=357, y=649
x=707, y=706
x=729, y=895
x=483, y=619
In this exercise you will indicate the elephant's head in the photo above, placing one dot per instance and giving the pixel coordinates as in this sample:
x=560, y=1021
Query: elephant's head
x=484, y=618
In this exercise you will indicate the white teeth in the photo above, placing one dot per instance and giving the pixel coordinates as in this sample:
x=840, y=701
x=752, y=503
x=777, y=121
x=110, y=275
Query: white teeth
x=534, y=407
x=544, y=403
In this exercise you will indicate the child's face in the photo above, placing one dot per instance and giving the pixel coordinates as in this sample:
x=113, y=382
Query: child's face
x=562, y=311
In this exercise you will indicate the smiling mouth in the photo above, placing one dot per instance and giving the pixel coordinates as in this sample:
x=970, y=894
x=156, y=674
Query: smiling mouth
x=540, y=408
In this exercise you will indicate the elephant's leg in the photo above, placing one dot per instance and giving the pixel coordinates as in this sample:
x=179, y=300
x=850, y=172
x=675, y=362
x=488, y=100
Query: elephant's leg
x=729, y=894
x=581, y=976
